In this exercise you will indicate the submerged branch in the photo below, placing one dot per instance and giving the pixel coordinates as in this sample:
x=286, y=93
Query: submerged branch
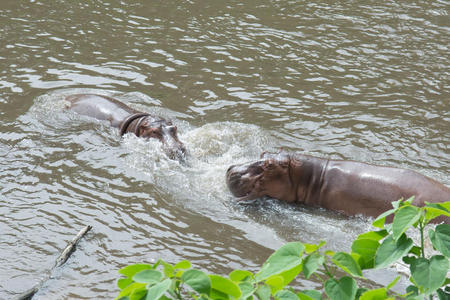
x=65, y=254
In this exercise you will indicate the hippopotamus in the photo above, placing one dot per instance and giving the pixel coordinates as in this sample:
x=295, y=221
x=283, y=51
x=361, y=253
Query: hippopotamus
x=349, y=187
x=127, y=119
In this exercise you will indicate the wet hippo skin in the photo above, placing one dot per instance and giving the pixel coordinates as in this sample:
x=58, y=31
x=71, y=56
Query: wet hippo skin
x=127, y=119
x=349, y=187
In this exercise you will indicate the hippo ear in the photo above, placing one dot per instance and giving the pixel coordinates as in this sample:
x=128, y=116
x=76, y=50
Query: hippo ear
x=284, y=164
x=266, y=154
x=273, y=163
x=269, y=163
x=144, y=123
x=295, y=161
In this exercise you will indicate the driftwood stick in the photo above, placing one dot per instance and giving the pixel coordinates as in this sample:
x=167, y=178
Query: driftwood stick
x=71, y=246
x=65, y=254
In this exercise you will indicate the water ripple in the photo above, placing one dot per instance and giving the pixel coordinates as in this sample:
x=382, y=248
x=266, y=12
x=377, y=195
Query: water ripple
x=341, y=80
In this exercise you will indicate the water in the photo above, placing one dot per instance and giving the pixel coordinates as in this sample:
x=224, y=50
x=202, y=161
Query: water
x=362, y=81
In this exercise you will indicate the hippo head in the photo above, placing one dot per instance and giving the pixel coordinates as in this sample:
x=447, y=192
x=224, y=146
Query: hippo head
x=166, y=132
x=269, y=176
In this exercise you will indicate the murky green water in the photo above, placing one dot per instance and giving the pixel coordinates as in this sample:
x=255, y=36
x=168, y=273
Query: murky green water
x=364, y=80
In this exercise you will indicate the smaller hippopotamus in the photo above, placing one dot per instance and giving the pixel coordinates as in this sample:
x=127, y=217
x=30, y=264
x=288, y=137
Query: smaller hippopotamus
x=349, y=187
x=127, y=119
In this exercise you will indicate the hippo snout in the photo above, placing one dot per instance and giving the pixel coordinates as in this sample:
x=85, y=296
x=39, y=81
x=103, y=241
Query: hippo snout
x=176, y=151
x=234, y=182
x=165, y=132
x=230, y=170
x=173, y=147
x=242, y=180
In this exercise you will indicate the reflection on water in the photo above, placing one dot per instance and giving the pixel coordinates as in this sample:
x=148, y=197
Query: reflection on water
x=363, y=81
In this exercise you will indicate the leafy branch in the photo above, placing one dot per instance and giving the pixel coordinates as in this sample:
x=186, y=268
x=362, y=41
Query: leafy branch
x=371, y=250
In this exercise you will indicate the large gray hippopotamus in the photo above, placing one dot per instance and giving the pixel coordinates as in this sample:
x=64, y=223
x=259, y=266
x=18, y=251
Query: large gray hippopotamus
x=127, y=119
x=346, y=186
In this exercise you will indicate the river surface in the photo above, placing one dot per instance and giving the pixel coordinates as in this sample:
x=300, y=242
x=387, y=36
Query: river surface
x=362, y=80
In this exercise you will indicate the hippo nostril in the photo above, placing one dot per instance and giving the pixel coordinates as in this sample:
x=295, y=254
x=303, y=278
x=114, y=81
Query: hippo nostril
x=234, y=180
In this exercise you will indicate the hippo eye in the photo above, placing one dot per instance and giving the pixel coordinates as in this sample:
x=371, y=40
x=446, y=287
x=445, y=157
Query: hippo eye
x=152, y=133
x=156, y=132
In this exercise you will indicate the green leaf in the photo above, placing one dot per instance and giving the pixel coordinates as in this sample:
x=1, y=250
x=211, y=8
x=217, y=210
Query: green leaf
x=289, y=275
x=168, y=269
x=247, y=289
x=275, y=283
x=148, y=276
x=225, y=285
x=310, y=248
x=129, y=289
x=240, y=275
x=430, y=274
x=412, y=290
x=124, y=282
x=409, y=259
x=129, y=271
x=408, y=201
x=138, y=294
x=343, y=289
x=393, y=283
x=433, y=213
x=441, y=238
x=378, y=294
x=286, y=258
x=359, y=292
x=434, y=210
x=347, y=263
x=158, y=290
x=181, y=267
x=184, y=264
x=447, y=284
x=197, y=280
x=263, y=292
x=381, y=219
x=442, y=205
x=397, y=204
x=311, y=263
x=303, y=296
x=309, y=295
x=218, y=295
x=367, y=249
x=418, y=297
x=373, y=235
x=403, y=219
x=390, y=250
x=285, y=295
x=442, y=295
x=415, y=250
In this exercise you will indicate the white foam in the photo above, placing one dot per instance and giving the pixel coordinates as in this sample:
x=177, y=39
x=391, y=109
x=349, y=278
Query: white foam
x=212, y=148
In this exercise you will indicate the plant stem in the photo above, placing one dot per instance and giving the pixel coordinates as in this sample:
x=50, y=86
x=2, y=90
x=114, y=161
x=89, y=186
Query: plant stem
x=421, y=228
x=177, y=292
x=319, y=278
x=327, y=271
